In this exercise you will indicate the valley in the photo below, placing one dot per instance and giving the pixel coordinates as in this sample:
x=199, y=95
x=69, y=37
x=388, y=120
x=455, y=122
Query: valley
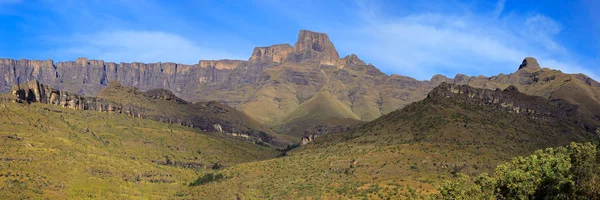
x=291, y=122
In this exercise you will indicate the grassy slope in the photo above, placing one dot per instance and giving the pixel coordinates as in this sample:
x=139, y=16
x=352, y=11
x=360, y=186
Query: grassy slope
x=400, y=155
x=322, y=106
x=48, y=151
x=239, y=120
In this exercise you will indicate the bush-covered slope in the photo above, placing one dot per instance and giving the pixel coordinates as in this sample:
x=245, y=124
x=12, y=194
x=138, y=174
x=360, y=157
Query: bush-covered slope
x=51, y=152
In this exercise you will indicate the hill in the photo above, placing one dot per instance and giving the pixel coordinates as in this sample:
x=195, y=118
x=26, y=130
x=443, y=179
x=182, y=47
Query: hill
x=157, y=104
x=47, y=151
x=404, y=154
x=278, y=79
x=320, y=108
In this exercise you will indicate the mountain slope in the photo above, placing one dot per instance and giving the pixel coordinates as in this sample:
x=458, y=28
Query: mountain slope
x=157, y=104
x=277, y=79
x=47, y=151
x=404, y=153
x=321, y=107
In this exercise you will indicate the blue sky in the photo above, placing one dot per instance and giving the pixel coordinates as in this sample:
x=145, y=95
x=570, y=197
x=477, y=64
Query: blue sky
x=412, y=38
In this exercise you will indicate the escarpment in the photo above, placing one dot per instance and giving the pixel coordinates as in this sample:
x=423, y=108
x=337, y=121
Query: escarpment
x=278, y=79
x=511, y=100
x=156, y=104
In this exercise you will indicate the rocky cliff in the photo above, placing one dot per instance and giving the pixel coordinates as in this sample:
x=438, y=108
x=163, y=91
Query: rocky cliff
x=157, y=104
x=511, y=100
x=275, y=53
x=280, y=78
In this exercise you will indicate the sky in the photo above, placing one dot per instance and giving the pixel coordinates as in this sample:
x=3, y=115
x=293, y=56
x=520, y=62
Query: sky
x=411, y=38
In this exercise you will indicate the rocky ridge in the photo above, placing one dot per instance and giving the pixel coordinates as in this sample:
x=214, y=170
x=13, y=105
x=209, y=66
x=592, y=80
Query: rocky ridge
x=278, y=79
x=209, y=116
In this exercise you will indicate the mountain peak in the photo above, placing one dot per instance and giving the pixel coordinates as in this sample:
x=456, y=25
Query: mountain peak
x=309, y=41
x=274, y=53
x=530, y=63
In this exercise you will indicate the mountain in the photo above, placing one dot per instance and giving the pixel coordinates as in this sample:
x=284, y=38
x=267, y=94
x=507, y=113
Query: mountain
x=157, y=104
x=319, y=108
x=51, y=152
x=403, y=154
x=278, y=79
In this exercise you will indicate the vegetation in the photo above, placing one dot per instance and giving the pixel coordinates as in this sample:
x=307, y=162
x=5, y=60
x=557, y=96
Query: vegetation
x=207, y=178
x=560, y=173
x=51, y=152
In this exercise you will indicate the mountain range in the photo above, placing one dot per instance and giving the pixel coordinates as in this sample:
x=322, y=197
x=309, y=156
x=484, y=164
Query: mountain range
x=290, y=122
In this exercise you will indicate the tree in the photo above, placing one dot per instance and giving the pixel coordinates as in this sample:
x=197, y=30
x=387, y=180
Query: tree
x=561, y=173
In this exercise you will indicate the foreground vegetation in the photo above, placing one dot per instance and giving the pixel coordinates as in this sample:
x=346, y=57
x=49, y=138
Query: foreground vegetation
x=56, y=153
x=571, y=172
x=48, y=151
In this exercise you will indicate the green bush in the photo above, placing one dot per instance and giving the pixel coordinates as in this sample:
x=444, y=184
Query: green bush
x=207, y=178
x=561, y=173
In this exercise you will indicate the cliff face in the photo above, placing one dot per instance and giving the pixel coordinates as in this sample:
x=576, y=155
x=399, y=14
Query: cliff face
x=278, y=79
x=511, y=100
x=156, y=104
x=35, y=92
x=276, y=53
x=88, y=77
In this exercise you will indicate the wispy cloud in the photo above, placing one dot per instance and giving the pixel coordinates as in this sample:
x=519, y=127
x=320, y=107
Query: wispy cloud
x=421, y=44
x=140, y=46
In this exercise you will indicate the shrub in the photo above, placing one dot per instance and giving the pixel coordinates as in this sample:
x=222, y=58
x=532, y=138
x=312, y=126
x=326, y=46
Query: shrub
x=561, y=173
x=207, y=178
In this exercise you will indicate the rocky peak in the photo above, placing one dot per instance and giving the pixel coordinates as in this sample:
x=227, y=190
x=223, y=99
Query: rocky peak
x=529, y=63
x=164, y=95
x=438, y=78
x=314, y=46
x=509, y=99
x=275, y=53
x=353, y=59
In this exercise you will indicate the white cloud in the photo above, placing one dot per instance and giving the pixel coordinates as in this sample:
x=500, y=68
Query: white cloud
x=422, y=44
x=141, y=46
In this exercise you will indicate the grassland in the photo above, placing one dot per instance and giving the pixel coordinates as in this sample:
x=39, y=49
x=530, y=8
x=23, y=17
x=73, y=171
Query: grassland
x=56, y=153
x=60, y=153
x=401, y=155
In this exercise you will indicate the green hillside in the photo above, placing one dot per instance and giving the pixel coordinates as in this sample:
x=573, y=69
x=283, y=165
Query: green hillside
x=51, y=152
x=404, y=154
x=321, y=107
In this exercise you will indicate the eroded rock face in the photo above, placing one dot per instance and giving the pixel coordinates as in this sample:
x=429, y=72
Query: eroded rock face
x=274, y=53
x=36, y=92
x=352, y=60
x=530, y=63
x=313, y=46
x=509, y=99
x=209, y=116
x=88, y=77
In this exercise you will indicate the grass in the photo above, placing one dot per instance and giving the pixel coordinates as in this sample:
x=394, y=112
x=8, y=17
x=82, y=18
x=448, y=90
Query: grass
x=402, y=155
x=52, y=152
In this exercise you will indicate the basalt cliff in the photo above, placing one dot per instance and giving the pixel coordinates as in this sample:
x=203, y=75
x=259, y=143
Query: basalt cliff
x=277, y=83
x=156, y=104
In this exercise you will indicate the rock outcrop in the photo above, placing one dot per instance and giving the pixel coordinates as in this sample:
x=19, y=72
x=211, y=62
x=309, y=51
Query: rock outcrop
x=35, y=92
x=278, y=79
x=530, y=63
x=275, y=53
x=313, y=46
x=511, y=100
x=352, y=60
x=156, y=104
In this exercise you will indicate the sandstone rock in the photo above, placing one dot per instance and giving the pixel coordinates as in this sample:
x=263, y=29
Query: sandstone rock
x=353, y=59
x=274, y=53
x=220, y=64
x=313, y=46
x=529, y=63
x=510, y=100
